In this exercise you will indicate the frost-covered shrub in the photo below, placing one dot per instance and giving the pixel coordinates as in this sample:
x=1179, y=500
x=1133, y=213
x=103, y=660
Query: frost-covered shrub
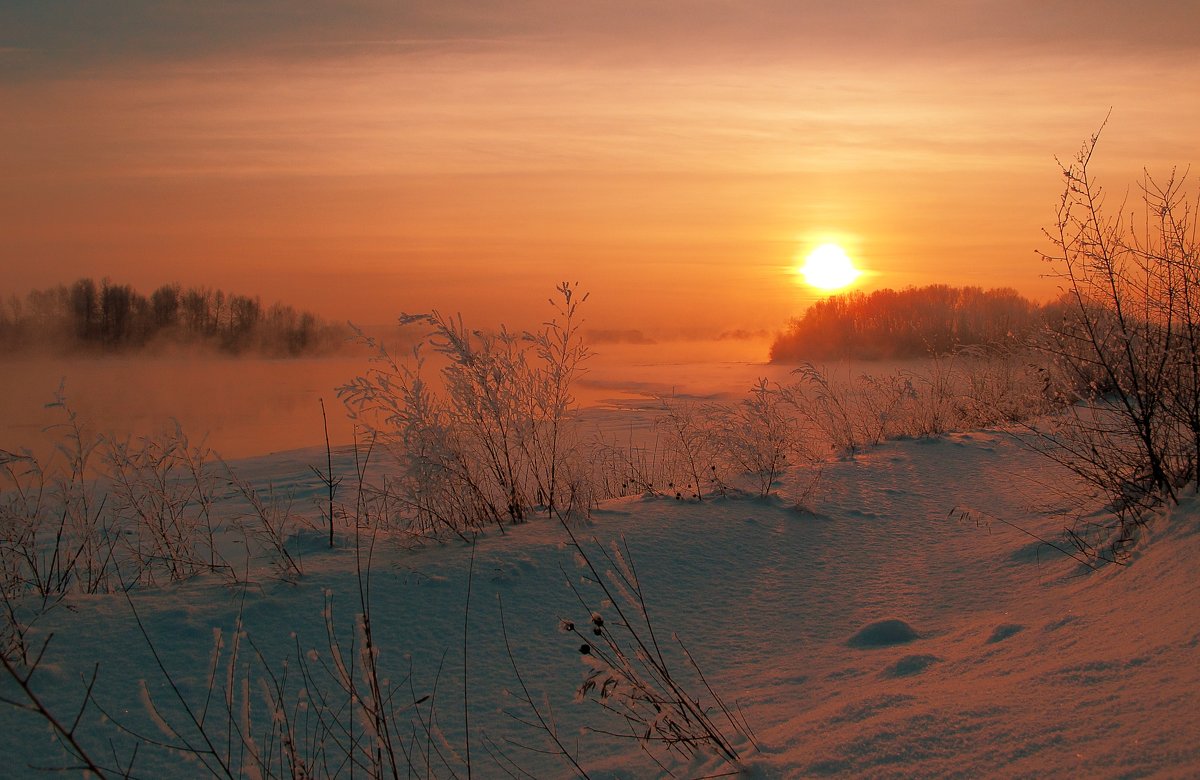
x=55, y=536
x=619, y=470
x=161, y=493
x=934, y=404
x=702, y=448
x=142, y=514
x=826, y=408
x=689, y=432
x=966, y=390
x=848, y=415
x=488, y=442
x=761, y=436
x=1127, y=341
x=101, y=515
x=1005, y=387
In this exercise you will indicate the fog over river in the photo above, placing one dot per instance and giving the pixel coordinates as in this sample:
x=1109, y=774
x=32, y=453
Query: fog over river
x=252, y=406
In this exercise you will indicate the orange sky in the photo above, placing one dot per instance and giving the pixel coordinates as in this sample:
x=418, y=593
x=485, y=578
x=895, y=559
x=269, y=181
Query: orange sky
x=675, y=158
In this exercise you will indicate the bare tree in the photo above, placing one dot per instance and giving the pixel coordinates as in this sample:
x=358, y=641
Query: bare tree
x=1126, y=339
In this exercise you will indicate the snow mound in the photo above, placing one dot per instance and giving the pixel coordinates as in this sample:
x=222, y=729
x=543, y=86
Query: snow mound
x=884, y=633
x=1004, y=631
x=911, y=665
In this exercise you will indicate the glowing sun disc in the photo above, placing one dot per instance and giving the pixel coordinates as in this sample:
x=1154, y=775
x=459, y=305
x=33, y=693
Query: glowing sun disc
x=828, y=267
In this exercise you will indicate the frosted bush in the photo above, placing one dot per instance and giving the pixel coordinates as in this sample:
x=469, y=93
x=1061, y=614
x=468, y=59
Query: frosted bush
x=1126, y=342
x=493, y=440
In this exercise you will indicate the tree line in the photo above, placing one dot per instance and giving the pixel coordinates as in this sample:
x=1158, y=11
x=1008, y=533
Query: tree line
x=914, y=322
x=87, y=316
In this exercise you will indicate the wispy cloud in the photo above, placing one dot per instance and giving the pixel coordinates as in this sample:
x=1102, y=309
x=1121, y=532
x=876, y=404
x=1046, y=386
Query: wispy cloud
x=77, y=35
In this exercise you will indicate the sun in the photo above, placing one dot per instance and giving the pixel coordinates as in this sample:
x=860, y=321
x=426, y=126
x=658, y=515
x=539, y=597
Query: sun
x=828, y=267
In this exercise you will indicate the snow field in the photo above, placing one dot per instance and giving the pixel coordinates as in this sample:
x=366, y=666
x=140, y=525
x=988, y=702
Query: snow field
x=872, y=631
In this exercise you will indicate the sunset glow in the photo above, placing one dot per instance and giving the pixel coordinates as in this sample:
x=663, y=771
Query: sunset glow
x=364, y=159
x=828, y=268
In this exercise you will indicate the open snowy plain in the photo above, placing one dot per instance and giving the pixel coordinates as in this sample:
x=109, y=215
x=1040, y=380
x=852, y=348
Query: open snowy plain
x=887, y=614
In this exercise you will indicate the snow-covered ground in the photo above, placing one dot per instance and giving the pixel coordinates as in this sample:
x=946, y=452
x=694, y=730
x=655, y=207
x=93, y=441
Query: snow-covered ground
x=886, y=624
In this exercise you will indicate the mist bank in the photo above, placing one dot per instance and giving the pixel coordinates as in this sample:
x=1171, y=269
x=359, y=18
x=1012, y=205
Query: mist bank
x=106, y=318
x=250, y=405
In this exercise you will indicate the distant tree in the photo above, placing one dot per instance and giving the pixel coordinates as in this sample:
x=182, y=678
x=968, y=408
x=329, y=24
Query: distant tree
x=196, y=304
x=48, y=314
x=935, y=319
x=113, y=317
x=304, y=334
x=165, y=303
x=85, y=309
x=10, y=322
x=218, y=311
x=116, y=313
x=244, y=316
